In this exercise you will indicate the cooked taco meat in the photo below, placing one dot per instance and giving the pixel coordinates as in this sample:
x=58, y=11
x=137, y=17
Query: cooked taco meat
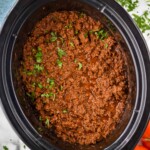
x=75, y=73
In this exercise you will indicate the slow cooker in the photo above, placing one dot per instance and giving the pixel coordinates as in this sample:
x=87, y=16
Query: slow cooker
x=16, y=105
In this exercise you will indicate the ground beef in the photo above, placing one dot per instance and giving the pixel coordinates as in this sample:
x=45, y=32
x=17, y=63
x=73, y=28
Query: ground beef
x=74, y=71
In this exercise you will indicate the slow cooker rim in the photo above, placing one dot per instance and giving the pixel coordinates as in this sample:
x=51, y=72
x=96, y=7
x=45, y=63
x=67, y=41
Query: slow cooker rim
x=139, y=45
x=2, y=97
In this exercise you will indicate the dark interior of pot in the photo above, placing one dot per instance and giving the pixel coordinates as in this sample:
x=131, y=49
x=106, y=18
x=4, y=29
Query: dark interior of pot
x=26, y=103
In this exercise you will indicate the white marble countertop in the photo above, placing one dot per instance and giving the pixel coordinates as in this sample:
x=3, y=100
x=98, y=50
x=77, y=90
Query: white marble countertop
x=8, y=137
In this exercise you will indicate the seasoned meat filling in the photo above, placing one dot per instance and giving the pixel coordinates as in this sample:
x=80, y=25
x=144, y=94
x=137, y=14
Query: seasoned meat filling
x=74, y=72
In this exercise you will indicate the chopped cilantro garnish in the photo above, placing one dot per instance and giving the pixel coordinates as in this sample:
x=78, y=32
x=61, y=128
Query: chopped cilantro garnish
x=65, y=111
x=80, y=66
x=38, y=67
x=48, y=95
x=71, y=44
x=130, y=5
x=61, y=53
x=39, y=48
x=143, y=21
x=106, y=45
x=45, y=95
x=47, y=122
x=59, y=63
x=38, y=57
x=5, y=148
x=53, y=39
x=53, y=36
x=51, y=82
x=40, y=85
x=39, y=54
x=101, y=34
x=61, y=88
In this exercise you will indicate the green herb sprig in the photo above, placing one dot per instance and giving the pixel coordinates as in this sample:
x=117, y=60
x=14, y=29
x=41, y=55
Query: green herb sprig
x=49, y=95
x=38, y=57
x=71, y=44
x=59, y=63
x=5, y=148
x=61, y=53
x=130, y=5
x=143, y=21
x=53, y=36
x=101, y=34
x=47, y=122
x=51, y=82
x=80, y=66
x=40, y=85
x=38, y=67
x=65, y=111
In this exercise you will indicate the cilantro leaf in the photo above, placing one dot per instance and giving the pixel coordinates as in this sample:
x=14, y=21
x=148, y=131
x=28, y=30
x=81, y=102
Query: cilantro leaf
x=143, y=21
x=59, y=63
x=130, y=5
x=5, y=148
x=38, y=67
x=80, y=66
x=61, y=53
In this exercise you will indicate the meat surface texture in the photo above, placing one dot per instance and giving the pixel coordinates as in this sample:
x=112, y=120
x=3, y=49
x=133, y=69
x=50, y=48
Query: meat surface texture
x=74, y=72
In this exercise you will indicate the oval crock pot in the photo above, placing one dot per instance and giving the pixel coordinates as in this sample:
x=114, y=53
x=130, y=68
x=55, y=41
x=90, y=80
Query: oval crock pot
x=19, y=24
